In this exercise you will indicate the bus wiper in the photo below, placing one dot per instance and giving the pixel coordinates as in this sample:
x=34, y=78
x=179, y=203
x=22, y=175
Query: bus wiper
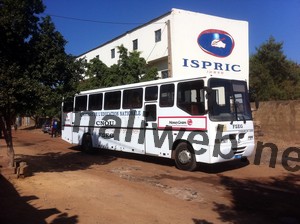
x=244, y=119
x=232, y=118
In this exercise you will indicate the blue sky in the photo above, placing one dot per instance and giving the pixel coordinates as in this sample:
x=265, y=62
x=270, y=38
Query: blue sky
x=279, y=18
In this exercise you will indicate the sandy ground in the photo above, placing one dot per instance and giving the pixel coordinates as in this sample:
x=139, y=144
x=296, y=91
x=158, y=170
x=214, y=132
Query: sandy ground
x=68, y=186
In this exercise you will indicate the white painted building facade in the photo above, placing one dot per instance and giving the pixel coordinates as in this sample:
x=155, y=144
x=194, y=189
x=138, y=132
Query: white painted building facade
x=182, y=43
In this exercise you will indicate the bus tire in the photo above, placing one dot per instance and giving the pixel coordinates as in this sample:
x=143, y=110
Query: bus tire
x=185, y=157
x=87, y=143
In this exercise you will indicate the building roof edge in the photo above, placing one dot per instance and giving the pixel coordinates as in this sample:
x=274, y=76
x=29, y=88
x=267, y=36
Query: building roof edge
x=124, y=34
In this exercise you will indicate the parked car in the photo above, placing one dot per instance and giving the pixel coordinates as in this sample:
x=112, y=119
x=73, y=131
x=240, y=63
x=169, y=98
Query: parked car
x=46, y=127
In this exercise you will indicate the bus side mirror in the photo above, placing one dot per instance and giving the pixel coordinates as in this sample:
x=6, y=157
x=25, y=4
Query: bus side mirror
x=256, y=104
x=208, y=91
x=253, y=97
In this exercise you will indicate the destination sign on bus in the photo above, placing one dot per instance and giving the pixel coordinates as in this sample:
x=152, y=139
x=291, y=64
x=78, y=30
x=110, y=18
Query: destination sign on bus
x=185, y=122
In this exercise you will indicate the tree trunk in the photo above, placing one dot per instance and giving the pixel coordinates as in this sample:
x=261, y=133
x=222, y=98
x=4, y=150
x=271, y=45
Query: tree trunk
x=5, y=125
x=36, y=120
x=11, y=154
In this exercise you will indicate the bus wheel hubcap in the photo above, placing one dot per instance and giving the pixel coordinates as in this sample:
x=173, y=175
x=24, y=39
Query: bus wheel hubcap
x=184, y=156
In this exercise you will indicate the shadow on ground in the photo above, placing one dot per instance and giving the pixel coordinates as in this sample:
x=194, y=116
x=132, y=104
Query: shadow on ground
x=48, y=159
x=77, y=160
x=17, y=209
x=222, y=167
x=259, y=201
x=60, y=162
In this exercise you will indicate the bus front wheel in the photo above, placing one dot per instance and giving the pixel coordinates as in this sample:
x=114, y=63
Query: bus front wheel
x=185, y=157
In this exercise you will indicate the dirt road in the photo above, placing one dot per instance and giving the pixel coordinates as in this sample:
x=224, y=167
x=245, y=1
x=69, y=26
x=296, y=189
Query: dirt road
x=68, y=186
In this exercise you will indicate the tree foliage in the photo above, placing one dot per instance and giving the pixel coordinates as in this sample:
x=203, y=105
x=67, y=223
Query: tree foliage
x=35, y=71
x=272, y=76
x=131, y=68
x=55, y=73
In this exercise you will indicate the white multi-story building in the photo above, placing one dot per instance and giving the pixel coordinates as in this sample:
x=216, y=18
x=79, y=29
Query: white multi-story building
x=184, y=43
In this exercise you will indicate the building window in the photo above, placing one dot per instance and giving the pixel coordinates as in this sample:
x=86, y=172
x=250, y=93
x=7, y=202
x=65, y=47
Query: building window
x=113, y=53
x=157, y=35
x=164, y=74
x=135, y=44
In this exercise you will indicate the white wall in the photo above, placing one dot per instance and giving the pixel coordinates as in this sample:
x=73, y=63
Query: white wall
x=189, y=59
x=150, y=50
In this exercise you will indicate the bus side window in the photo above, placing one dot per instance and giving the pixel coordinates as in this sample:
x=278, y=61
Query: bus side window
x=190, y=97
x=133, y=98
x=112, y=100
x=80, y=103
x=95, y=101
x=151, y=93
x=68, y=106
x=150, y=110
x=166, y=98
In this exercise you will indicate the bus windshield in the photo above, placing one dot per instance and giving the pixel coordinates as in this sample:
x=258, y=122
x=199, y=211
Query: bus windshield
x=229, y=100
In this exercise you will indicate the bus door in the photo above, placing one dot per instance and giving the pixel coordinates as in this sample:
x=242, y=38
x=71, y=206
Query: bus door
x=67, y=122
x=150, y=128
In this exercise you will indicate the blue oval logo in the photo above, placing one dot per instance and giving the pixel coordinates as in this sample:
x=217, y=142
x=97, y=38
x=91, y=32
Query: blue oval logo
x=216, y=42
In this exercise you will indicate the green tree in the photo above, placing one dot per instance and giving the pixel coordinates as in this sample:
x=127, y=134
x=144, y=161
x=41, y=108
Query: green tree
x=54, y=73
x=94, y=74
x=128, y=69
x=18, y=21
x=35, y=72
x=272, y=76
x=131, y=68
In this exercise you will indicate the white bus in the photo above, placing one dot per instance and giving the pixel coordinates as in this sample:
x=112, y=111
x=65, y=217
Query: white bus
x=191, y=120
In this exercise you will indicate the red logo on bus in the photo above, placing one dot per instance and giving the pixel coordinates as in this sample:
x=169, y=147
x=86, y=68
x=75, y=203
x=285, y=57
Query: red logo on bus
x=189, y=122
